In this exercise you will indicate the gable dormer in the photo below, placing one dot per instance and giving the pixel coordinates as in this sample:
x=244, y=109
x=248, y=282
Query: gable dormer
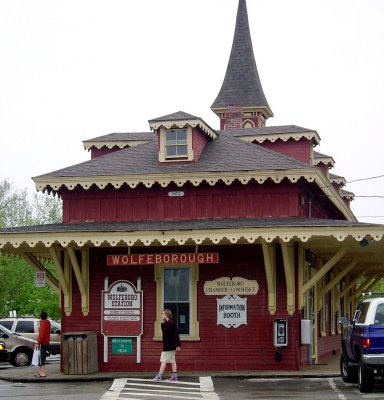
x=181, y=137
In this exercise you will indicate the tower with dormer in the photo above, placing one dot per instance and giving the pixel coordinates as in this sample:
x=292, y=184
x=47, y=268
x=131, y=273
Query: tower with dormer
x=241, y=102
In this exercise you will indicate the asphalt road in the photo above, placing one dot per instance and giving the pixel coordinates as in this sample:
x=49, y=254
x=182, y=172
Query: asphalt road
x=53, y=391
x=292, y=388
x=234, y=388
x=224, y=389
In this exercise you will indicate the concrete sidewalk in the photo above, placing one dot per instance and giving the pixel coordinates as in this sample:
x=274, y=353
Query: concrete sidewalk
x=327, y=368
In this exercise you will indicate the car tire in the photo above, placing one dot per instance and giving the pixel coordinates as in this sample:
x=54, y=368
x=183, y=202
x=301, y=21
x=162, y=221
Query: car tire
x=366, y=378
x=21, y=357
x=349, y=374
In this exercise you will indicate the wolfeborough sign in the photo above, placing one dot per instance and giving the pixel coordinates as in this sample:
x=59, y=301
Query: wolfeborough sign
x=162, y=258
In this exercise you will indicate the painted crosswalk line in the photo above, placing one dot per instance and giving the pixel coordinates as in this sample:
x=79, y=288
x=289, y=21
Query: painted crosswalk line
x=146, y=389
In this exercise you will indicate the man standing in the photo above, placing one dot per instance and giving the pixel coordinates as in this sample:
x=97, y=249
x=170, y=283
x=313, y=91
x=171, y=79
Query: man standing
x=43, y=343
x=171, y=343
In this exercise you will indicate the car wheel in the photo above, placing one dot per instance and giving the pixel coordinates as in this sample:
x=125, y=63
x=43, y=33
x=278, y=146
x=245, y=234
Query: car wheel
x=348, y=373
x=21, y=357
x=366, y=378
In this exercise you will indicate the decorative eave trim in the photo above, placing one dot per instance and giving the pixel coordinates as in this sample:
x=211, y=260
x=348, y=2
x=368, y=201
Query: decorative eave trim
x=111, y=144
x=180, y=179
x=325, y=160
x=347, y=195
x=212, y=178
x=335, y=197
x=18, y=241
x=182, y=123
x=340, y=180
x=272, y=137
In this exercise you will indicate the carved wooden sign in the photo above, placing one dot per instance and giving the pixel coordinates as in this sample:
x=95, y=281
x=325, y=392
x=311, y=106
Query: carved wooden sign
x=231, y=286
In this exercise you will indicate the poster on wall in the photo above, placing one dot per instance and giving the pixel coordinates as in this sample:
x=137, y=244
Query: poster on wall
x=122, y=310
x=231, y=311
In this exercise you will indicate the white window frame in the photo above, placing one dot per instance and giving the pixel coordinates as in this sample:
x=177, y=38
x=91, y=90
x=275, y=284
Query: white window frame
x=163, y=144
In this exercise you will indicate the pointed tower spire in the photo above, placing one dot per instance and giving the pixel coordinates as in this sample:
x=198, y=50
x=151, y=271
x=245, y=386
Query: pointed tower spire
x=241, y=101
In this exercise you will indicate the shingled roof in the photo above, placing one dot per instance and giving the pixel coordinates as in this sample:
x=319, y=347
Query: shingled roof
x=224, y=154
x=241, y=85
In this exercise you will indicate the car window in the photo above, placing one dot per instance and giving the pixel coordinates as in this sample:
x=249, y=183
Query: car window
x=25, y=327
x=54, y=329
x=379, y=317
x=7, y=324
x=362, y=312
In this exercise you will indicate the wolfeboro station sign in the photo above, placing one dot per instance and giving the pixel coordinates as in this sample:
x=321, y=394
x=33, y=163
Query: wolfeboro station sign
x=162, y=258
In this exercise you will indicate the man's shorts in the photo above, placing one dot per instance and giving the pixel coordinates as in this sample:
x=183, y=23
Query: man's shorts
x=168, y=357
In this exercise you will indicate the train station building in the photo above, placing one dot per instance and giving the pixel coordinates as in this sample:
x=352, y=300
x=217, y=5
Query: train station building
x=242, y=231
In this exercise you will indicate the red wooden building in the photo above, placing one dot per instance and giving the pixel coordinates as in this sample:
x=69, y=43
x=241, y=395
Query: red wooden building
x=241, y=231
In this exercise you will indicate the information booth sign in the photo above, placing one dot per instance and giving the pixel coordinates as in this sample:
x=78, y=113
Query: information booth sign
x=122, y=310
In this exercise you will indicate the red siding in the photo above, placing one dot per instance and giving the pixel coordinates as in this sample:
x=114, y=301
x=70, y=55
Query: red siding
x=244, y=348
x=199, y=140
x=103, y=151
x=299, y=150
x=218, y=202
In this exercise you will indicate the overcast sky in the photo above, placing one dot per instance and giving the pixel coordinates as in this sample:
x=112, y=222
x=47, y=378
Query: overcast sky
x=76, y=69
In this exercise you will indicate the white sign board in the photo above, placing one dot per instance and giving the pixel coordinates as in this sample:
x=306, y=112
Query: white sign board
x=40, y=280
x=122, y=310
x=231, y=311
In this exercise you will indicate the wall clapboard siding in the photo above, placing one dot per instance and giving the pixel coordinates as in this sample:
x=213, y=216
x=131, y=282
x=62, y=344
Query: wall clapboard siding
x=229, y=349
x=299, y=150
x=205, y=202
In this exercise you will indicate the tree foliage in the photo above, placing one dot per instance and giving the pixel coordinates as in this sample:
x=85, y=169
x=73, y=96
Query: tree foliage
x=17, y=290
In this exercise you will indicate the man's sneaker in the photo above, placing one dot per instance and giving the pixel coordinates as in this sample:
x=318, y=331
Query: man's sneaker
x=173, y=378
x=157, y=378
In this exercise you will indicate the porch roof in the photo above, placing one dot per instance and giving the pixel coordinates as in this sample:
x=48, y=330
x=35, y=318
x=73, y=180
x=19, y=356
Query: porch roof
x=325, y=236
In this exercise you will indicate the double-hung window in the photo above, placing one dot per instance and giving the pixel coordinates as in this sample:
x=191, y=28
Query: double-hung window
x=176, y=144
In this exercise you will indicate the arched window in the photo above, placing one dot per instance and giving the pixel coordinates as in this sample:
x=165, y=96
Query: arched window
x=248, y=124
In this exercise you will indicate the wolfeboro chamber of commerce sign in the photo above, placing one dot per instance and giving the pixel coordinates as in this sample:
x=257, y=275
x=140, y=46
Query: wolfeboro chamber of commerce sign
x=231, y=286
x=162, y=258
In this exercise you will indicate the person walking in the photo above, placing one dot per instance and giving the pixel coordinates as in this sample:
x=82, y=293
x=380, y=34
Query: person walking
x=43, y=340
x=171, y=344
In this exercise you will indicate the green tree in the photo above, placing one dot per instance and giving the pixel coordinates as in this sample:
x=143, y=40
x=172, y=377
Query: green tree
x=15, y=209
x=17, y=290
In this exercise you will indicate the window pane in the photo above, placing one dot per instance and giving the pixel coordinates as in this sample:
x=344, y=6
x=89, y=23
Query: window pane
x=379, y=317
x=176, y=284
x=182, y=150
x=171, y=136
x=180, y=312
x=182, y=136
x=25, y=327
x=362, y=313
x=171, y=151
x=7, y=324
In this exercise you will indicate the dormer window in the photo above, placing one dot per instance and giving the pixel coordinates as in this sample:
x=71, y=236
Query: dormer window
x=176, y=144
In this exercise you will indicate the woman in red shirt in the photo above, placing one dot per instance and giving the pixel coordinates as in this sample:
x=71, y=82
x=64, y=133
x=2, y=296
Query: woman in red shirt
x=43, y=342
